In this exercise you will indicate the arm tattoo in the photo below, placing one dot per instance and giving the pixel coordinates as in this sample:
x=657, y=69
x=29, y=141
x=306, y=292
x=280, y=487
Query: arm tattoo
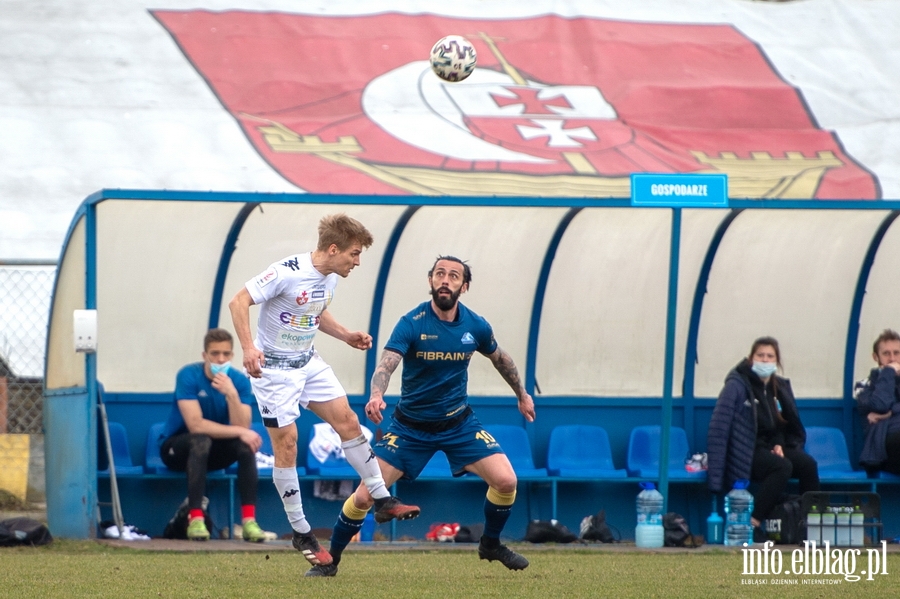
x=504, y=364
x=382, y=375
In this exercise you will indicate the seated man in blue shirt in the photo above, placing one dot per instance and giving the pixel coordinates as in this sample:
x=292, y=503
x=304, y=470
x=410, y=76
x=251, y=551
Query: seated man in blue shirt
x=435, y=342
x=209, y=429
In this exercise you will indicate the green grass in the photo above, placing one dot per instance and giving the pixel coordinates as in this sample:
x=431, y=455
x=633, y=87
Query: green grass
x=89, y=569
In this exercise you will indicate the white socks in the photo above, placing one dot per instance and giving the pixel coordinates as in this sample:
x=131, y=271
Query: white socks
x=288, y=485
x=360, y=455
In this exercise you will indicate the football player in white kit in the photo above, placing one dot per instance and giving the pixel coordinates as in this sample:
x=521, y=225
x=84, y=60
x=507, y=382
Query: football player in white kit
x=287, y=373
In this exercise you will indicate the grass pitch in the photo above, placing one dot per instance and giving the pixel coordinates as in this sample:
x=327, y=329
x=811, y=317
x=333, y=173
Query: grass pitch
x=90, y=569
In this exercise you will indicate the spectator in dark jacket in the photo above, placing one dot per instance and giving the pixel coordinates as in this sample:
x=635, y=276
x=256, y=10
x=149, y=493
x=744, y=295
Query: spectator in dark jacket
x=755, y=432
x=878, y=401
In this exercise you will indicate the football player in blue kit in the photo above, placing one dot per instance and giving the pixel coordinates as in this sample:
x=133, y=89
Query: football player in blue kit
x=436, y=341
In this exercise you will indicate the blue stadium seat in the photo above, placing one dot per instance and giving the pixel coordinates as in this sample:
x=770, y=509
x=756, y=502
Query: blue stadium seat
x=514, y=441
x=829, y=447
x=118, y=438
x=643, y=454
x=581, y=451
x=333, y=467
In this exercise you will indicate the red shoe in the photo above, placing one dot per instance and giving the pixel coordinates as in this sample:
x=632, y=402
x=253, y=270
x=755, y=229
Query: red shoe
x=314, y=553
x=390, y=508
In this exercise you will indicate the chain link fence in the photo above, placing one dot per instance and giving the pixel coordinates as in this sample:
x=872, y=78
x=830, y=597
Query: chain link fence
x=25, y=290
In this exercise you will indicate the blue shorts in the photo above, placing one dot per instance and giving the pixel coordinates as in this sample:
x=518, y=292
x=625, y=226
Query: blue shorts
x=408, y=449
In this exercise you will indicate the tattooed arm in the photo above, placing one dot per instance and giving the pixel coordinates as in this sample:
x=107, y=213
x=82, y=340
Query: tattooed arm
x=380, y=380
x=504, y=364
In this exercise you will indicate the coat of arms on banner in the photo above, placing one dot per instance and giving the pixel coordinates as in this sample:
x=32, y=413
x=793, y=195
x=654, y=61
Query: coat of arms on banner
x=557, y=106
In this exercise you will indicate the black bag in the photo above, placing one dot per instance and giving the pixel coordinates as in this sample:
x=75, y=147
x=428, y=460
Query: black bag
x=677, y=533
x=595, y=528
x=177, y=525
x=541, y=531
x=469, y=534
x=784, y=524
x=23, y=531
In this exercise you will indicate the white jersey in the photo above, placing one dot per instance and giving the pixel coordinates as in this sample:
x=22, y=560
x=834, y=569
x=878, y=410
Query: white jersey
x=291, y=295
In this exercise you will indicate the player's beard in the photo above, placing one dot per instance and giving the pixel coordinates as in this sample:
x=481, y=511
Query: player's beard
x=442, y=301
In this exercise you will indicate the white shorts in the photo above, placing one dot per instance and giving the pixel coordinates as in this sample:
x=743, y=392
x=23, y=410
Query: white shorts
x=281, y=393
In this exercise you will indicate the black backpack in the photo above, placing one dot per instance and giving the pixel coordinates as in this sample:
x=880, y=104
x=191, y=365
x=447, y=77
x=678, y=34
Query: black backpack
x=23, y=531
x=783, y=526
x=542, y=531
x=677, y=533
x=595, y=528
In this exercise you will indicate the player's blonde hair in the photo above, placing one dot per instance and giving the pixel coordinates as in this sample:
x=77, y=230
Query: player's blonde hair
x=342, y=231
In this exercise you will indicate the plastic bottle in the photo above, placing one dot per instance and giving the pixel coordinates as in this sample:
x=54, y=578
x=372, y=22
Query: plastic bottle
x=649, y=530
x=857, y=527
x=828, y=520
x=814, y=525
x=738, y=507
x=367, y=532
x=842, y=528
x=715, y=526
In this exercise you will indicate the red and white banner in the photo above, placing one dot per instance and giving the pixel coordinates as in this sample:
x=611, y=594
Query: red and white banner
x=556, y=107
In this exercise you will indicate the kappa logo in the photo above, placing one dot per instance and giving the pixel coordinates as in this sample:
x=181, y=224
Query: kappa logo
x=554, y=128
x=467, y=338
x=292, y=263
x=202, y=393
x=265, y=410
x=290, y=493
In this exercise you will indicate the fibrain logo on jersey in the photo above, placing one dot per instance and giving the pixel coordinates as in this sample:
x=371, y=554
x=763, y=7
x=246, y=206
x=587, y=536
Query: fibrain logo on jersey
x=812, y=564
x=556, y=107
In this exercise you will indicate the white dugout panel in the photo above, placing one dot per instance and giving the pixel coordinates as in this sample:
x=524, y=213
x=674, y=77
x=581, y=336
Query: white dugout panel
x=65, y=368
x=881, y=304
x=790, y=274
x=504, y=247
x=156, y=266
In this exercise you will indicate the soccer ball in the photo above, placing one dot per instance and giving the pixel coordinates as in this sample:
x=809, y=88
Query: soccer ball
x=453, y=58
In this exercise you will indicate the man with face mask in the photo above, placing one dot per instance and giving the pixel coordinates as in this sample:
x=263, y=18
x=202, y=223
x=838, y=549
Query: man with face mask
x=209, y=429
x=436, y=341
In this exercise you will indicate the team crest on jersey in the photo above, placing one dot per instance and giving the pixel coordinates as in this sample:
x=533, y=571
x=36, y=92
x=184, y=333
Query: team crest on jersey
x=572, y=112
x=302, y=298
x=468, y=338
x=267, y=277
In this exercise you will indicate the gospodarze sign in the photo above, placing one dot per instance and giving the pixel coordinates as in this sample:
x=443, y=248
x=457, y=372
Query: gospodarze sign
x=704, y=191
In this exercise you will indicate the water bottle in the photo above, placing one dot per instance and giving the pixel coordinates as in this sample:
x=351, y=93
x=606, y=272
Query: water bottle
x=857, y=527
x=714, y=525
x=828, y=520
x=814, y=525
x=649, y=531
x=842, y=528
x=738, y=507
x=367, y=532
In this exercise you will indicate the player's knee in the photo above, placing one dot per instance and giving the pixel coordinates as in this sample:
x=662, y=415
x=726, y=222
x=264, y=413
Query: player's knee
x=505, y=484
x=347, y=425
x=200, y=444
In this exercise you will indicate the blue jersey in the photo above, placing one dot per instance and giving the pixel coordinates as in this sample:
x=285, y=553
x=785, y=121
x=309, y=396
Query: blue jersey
x=192, y=383
x=436, y=358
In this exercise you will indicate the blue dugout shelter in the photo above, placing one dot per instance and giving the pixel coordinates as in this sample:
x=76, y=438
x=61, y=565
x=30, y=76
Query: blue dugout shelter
x=616, y=315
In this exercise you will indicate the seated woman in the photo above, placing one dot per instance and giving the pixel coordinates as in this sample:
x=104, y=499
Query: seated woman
x=755, y=432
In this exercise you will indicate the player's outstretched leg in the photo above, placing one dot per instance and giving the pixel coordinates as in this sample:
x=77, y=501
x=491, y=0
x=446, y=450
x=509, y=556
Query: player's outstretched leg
x=497, y=508
x=304, y=541
x=360, y=455
x=348, y=523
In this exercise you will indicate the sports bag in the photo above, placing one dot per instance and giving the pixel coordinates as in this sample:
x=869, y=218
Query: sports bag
x=784, y=524
x=23, y=531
